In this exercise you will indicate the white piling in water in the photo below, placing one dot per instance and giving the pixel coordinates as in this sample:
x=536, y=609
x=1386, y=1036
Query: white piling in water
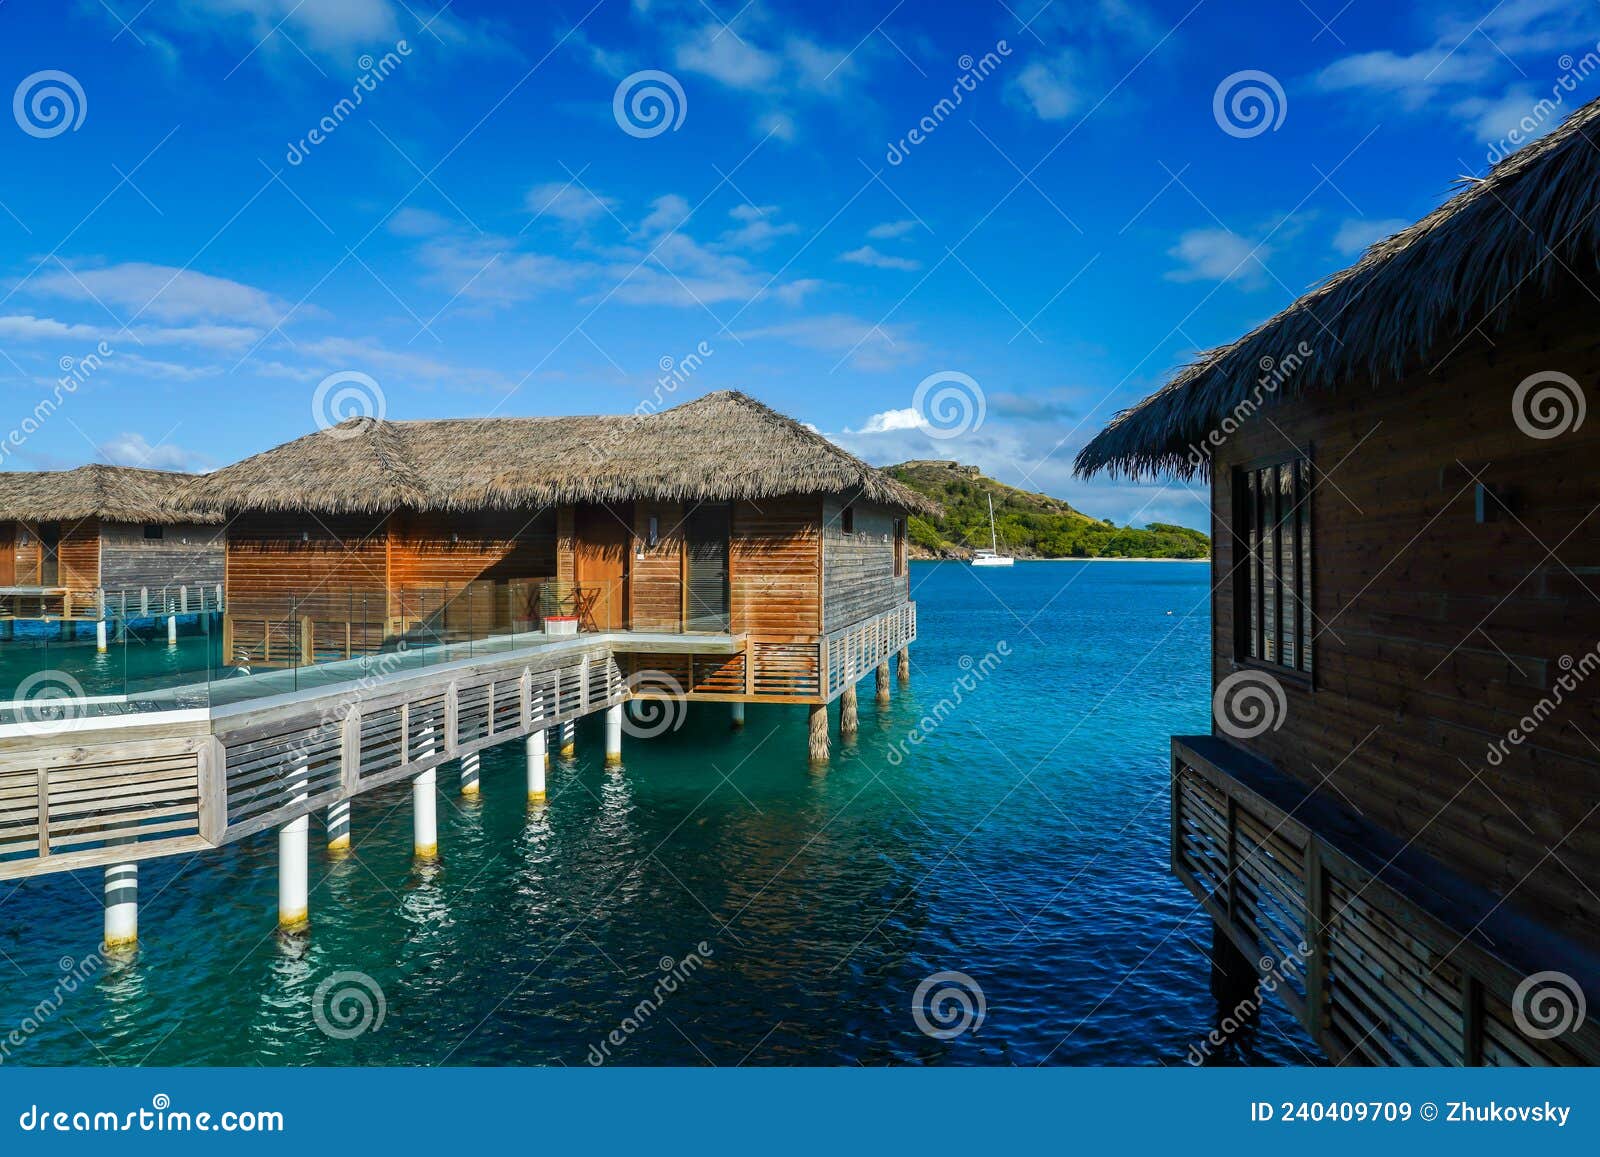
x=101, y=642
x=737, y=711
x=538, y=761
x=471, y=771
x=294, y=870
x=172, y=630
x=569, y=739
x=122, y=906
x=339, y=826
x=614, y=735
x=425, y=816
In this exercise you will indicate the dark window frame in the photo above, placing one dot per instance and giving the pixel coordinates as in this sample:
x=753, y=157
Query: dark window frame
x=154, y=532
x=1274, y=574
x=900, y=552
x=847, y=519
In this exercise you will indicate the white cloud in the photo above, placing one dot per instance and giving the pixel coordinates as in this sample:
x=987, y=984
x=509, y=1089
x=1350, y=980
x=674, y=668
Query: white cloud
x=667, y=212
x=890, y=420
x=891, y=229
x=1357, y=233
x=758, y=228
x=133, y=449
x=727, y=58
x=1217, y=255
x=167, y=294
x=568, y=201
x=868, y=345
x=1049, y=86
x=868, y=256
x=1414, y=77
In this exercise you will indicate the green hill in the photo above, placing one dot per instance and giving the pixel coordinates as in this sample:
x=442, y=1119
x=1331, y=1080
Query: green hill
x=1030, y=525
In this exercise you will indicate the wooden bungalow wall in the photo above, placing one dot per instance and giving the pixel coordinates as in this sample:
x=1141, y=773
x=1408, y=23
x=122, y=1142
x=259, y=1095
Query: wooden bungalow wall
x=775, y=567
x=78, y=556
x=185, y=554
x=1438, y=633
x=858, y=576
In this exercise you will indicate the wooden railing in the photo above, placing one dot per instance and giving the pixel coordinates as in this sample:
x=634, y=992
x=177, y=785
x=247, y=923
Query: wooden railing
x=72, y=798
x=1383, y=956
x=850, y=653
x=90, y=605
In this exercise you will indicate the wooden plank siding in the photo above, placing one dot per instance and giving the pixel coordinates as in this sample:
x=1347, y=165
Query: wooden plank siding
x=858, y=576
x=79, y=553
x=656, y=582
x=775, y=567
x=184, y=555
x=326, y=566
x=1437, y=634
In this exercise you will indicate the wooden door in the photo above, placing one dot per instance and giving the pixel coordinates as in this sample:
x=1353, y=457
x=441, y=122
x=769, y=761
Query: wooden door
x=601, y=565
x=8, y=554
x=706, y=593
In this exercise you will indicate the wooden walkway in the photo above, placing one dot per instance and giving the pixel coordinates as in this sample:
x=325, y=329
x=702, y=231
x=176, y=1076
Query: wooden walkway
x=197, y=773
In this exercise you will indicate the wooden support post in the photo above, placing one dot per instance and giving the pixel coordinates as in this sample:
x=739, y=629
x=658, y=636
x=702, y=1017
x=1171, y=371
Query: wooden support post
x=849, y=720
x=538, y=763
x=569, y=739
x=737, y=712
x=883, y=682
x=308, y=641
x=425, y=816
x=471, y=769
x=819, y=733
x=1233, y=976
x=614, y=735
x=905, y=666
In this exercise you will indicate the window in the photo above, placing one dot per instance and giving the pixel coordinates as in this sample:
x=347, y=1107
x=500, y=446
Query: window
x=847, y=520
x=1272, y=584
x=153, y=532
x=899, y=548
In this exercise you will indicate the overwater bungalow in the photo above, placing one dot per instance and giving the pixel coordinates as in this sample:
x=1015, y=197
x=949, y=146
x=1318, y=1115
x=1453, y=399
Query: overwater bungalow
x=400, y=595
x=1393, y=822
x=79, y=545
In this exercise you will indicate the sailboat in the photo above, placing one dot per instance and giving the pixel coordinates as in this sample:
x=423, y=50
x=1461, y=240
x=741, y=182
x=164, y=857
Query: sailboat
x=991, y=556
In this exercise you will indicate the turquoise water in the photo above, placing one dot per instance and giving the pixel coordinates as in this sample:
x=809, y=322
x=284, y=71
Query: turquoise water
x=1023, y=843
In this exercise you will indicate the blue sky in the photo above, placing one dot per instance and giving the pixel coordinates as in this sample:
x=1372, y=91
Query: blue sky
x=491, y=230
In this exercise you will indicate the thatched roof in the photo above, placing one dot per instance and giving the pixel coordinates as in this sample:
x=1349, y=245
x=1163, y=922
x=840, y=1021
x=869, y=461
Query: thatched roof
x=719, y=447
x=109, y=493
x=1487, y=250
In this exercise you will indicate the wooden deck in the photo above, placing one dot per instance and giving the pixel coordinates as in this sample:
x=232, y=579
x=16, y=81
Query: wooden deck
x=109, y=789
x=1385, y=957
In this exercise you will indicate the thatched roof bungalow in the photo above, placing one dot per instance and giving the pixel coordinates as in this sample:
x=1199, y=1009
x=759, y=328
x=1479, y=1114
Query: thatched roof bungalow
x=1405, y=611
x=718, y=516
x=102, y=528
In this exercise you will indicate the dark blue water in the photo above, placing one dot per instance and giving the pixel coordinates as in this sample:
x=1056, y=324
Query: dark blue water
x=1022, y=842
